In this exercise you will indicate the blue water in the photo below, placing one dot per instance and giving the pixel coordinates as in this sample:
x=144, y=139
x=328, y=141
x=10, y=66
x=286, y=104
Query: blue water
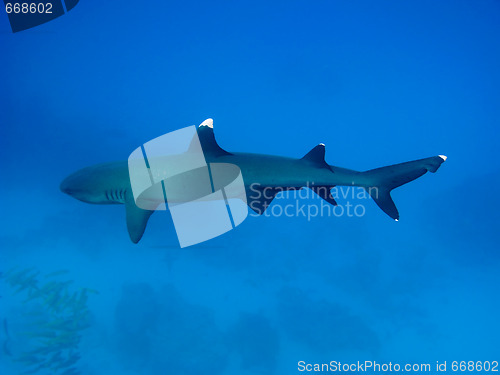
x=378, y=82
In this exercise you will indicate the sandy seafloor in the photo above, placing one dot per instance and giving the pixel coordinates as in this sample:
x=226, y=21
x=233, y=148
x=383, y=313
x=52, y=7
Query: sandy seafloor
x=378, y=82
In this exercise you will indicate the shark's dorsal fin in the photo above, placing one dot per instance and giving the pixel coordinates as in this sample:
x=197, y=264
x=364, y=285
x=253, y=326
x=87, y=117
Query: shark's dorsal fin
x=207, y=139
x=317, y=156
x=137, y=219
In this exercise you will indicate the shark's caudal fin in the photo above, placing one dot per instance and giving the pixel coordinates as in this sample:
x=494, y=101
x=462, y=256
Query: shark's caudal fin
x=388, y=178
x=137, y=219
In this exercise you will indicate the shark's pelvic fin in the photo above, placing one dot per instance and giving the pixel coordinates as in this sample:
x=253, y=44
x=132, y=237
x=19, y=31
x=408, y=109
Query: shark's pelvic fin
x=317, y=156
x=325, y=192
x=260, y=198
x=385, y=179
x=207, y=139
x=137, y=219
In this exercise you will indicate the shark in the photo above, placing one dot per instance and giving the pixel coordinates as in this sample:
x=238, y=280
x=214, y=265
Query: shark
x=268, y=175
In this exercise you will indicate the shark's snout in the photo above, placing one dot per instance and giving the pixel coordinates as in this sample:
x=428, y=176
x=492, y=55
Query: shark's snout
x=74, y=186
x=66, y=186
x=85, y=186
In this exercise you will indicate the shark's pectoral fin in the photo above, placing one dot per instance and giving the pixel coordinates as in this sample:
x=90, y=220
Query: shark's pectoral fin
x=137, y=219
x=325, y=192
x=259, y=199
x=317, y=157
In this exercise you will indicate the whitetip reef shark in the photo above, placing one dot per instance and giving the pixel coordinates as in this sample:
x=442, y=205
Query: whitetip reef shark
x=109, y=183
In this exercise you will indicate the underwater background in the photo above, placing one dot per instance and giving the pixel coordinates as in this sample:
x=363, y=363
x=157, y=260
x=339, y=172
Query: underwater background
x=379, y=82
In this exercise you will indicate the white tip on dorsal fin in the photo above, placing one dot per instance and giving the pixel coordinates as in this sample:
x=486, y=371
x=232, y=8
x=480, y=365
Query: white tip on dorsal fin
x=208, y=122
x=207, y=139
x=317, y=156
x=444, y=157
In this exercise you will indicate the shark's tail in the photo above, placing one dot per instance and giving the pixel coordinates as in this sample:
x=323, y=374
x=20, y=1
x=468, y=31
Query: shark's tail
x=383, y=180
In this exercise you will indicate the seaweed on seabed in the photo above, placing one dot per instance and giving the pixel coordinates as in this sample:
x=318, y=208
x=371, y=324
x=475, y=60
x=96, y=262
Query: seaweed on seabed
x=56, y=317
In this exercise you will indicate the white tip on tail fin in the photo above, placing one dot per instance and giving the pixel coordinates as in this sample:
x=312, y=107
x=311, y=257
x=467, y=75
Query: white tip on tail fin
x=444, y=157
x=208, y=122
